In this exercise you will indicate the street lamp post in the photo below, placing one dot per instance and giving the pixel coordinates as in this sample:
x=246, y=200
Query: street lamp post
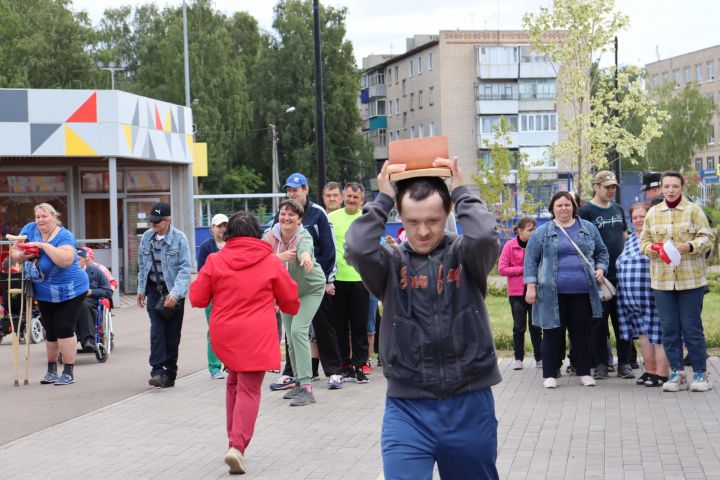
x=275, y=168
x=112, y=67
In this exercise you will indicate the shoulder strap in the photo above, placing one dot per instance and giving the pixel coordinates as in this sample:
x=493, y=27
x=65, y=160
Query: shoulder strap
x=582, y=255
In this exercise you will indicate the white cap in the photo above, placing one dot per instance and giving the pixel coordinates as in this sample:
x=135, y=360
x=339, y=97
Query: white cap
x=219, y=219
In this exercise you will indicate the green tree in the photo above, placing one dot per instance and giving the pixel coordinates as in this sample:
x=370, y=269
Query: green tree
x=504, y=179
x=44, y=44
x=686, y=129
x=575, y=34
x=284, y=76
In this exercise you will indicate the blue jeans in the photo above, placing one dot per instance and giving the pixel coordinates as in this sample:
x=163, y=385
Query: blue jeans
x=459, y=433
x=164, y=338
x=372, y=313
x=679, y=312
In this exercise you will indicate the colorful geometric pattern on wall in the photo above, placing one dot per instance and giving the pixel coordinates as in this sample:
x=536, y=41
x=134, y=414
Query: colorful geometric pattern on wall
x=102, y=123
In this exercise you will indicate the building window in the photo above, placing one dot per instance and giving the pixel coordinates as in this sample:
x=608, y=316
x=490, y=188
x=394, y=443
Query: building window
x=397, y=106
x=389, y=76
x=421, y=130
x=397, y=75
x=431, y=95
x=397, y=134
x=404, y=87
x=711, y=70
x=410, y=68
x=363, y=80
x=655, y=80
x=538, y=122
x=538, y=89
x=497, y=55
x=412, y=102
x=412, y=131
x=431, y=129
x=419, y=65
x=420, y=99
x=698, y=72
x=404, y=119
x=676, y=78
x=430, y=63
x=391, y=136
x=686, y=75
x=711, y=135
x=527, y=55
x=666, y=77
x=497, y=91
x=710, y=163
x=698, y=164
x=487, y=122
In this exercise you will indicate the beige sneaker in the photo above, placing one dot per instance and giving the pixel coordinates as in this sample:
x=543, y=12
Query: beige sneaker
x=518, y=365
x=235, y=460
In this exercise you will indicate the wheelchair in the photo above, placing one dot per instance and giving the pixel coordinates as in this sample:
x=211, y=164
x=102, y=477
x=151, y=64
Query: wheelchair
x=13, y=301
x=104, y=335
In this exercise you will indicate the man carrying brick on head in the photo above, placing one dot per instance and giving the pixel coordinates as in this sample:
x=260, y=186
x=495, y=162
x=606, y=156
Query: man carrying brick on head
x=435, y=338
x=315, y=220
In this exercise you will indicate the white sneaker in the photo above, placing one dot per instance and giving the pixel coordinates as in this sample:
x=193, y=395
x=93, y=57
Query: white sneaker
x=518, y=365
x=587, y=381
x=550, y=383
x=235, y=460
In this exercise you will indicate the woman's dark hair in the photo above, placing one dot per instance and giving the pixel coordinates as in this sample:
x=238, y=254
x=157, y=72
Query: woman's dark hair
x=559, y=195
x=243, y=224
x=523, y=223
x=420, y=188
x=670, y=173
x=293, y=206
x=637, y=205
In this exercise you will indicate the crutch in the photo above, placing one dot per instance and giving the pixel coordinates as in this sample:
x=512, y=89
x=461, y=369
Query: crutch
x=14, y=239
x=28, y=297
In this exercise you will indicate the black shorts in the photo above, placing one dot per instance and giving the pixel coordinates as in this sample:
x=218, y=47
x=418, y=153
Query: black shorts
x=59, y=318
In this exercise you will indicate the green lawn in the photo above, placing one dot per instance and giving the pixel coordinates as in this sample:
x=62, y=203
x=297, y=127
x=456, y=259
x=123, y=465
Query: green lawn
x=501, y=321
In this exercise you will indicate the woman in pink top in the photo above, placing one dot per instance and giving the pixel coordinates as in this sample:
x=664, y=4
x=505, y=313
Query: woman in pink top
x=510, y=265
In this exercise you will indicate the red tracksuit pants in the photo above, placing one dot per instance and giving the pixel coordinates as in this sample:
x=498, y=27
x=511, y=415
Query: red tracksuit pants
x=242, y=402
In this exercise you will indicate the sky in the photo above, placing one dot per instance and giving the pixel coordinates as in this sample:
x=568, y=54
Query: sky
x=670, y=27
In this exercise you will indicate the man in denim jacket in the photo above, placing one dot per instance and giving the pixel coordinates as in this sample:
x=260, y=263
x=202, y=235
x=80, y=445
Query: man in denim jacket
x=435, y=338
x=169, y=250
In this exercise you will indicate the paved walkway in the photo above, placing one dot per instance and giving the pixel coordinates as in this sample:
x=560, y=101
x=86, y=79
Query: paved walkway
x=616, y=430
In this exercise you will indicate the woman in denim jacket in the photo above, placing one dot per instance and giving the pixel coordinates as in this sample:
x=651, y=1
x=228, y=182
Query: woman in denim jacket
x=562, y=287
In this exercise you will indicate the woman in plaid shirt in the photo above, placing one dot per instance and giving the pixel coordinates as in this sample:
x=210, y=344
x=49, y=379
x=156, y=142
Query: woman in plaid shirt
x=636, y=304
x=679, y=290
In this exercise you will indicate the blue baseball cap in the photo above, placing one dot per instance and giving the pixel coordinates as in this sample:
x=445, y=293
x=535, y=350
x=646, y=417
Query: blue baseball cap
x=295, y=180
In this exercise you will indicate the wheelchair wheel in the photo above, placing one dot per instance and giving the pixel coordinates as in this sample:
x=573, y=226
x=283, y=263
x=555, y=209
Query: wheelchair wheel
x=101, y=354
x=108, y=335
x=37, y=334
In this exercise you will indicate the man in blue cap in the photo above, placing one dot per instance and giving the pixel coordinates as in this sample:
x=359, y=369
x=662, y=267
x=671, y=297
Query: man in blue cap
x=315, y=220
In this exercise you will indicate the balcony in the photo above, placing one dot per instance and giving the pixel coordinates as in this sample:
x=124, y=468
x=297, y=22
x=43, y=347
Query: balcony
x=496, y=107
x=490, y=138
x=380, y=153
x=530, y=104
x=377, y=122
x=539, y=70
x=521, y=139
x=487, y=71
x=377, y=91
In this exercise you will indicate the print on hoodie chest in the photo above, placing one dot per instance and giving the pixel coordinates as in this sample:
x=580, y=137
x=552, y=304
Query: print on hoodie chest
x=421, y=281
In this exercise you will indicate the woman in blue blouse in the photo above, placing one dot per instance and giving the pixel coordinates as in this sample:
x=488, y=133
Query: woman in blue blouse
x=563, y=288
x=59, y=286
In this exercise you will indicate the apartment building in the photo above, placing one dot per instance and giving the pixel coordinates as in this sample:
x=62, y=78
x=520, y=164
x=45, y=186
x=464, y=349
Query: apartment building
x=459, y=83
x=373, y=104
x=700, y=67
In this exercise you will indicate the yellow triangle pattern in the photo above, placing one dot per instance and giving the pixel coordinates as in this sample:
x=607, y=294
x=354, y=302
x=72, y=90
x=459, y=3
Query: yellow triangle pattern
x=190, y=147
x=128, y=136
x=74, y=145
x=168, y=125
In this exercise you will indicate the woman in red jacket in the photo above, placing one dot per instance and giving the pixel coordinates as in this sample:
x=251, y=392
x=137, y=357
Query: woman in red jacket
x=244, y=280
x=510, y=265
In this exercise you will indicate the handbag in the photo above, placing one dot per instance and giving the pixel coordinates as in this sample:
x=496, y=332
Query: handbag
x=606, y=289
x=167, y=313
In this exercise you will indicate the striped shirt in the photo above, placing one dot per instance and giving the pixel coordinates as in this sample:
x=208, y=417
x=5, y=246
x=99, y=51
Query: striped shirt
x=157, y=251
x=684, y=223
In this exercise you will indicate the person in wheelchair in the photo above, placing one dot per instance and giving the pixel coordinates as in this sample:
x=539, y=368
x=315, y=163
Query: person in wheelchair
x=99, y=288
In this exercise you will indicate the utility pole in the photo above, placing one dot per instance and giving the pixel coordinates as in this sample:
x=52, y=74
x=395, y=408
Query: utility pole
x=319, y=117
x=614, y=155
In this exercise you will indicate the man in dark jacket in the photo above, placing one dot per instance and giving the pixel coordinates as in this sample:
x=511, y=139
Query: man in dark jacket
x=99, y=288
x=315, y=220
x=435, y=339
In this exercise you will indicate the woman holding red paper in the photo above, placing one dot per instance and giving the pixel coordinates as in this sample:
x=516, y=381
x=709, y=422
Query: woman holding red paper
x=679, y=289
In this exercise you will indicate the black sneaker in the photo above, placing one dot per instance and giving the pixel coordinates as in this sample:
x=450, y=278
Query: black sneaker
x=601, y=372
x=360, y=377
x=625, y=371
x=167, y=382
x=155, y=380
x=348, y=374
x=645, y=376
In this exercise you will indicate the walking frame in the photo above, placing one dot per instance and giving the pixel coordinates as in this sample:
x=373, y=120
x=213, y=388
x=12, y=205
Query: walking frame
x=25, y=292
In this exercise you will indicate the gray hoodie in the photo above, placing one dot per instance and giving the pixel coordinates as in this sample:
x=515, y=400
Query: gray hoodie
x=435, y=337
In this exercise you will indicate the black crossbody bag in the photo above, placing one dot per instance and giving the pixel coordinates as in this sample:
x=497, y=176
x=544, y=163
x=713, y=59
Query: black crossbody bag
x=159, y=307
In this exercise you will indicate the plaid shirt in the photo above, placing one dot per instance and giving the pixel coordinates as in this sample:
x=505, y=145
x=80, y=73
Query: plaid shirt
x=684, y=223
x=635, y=300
